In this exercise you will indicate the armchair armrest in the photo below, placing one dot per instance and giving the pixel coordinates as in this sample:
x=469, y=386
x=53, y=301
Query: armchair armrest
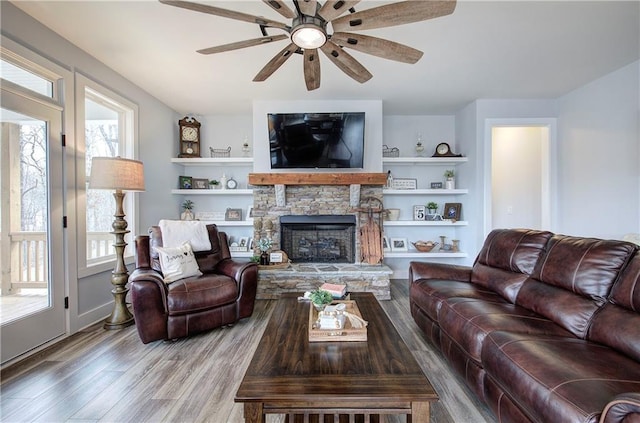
x=246, y=276
x=424, y=270
x=623, y=408
x=149, y=298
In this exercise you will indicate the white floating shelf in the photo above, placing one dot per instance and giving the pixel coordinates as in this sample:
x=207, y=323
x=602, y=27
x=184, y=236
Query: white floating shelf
x=417, y=254
x=424, y=160
x=424, y=223
x=212, y=191
x=230, y=222
x=424, y=191
x=208, y=161
x=242, y=254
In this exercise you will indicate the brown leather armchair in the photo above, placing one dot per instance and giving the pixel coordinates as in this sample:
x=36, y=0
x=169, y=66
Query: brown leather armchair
x=223, y=294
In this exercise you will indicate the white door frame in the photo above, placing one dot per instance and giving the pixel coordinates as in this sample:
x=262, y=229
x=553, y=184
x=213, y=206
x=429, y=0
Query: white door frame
x=549, y=170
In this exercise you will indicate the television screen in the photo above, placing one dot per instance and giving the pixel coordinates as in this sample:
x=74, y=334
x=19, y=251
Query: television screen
x=316, y=140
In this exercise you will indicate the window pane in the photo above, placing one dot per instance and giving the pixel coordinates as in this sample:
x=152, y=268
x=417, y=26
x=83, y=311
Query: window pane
x=25, y=79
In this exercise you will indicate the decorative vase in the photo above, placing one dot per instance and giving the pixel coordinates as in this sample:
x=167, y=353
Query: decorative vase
x=450, y=183
x=455, y=245
x=319, y=307
x=264, y=258
x=186, y=215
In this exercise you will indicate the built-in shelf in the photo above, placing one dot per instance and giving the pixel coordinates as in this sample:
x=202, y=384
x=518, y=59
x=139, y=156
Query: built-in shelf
x=242, y=254
x=425, y=223
x=212, y=191
x=230, y=222
x=425, y=191
x=208, y=161
x=417, y=254
x=424, y=160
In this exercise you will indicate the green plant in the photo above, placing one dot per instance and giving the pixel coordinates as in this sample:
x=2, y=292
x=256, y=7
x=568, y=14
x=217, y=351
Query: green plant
x=214, y=182
x=432, y=206
x=321, y=297
x=264, y=244
x=449, y=173
x=255, y=259
x=187, y=205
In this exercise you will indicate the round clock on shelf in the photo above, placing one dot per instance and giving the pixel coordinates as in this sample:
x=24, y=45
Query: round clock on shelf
x=443, y=150
x=231, y=183
x=189, y=137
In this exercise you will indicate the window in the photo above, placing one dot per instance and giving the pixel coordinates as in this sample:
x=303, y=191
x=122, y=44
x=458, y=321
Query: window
x=107, y=127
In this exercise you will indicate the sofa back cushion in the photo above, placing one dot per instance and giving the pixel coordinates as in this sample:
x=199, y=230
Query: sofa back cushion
x=617, y=324
x=507, y=258
x=573, y=279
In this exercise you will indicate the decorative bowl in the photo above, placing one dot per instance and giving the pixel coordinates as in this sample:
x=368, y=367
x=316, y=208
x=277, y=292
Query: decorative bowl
x=424, y=246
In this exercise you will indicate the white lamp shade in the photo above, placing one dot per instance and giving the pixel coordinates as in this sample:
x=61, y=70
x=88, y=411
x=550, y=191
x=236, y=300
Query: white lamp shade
x=116, y=173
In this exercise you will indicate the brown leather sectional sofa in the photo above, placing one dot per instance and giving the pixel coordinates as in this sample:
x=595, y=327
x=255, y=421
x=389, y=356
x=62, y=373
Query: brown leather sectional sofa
x=543, y=327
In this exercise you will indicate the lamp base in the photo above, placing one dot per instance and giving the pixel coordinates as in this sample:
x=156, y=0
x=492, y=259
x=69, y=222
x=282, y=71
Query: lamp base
x=120, y=317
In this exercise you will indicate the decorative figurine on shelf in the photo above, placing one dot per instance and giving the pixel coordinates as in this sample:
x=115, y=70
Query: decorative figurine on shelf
x=264, y=245
x=245, y=147
x=223, y=181
x=187, y=214
x=419, y=146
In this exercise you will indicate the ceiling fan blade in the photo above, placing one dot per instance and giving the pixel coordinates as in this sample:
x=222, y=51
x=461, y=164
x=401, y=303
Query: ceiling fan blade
x=243, y=44
x=377, y=47
x=308, y=7
x=394, y=14
x=346, y=62
x=275, y=63
x=225, y=13
x=331, y=9
x=280, y=7
x=311, y=69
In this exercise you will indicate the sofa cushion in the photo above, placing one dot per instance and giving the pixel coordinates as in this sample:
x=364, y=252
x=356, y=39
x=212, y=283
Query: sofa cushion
x=178, y=262
x=467, y=322
x=572, y=280
x=558, y=379
x=621, y=313
x=200, y=293
x=507, y=257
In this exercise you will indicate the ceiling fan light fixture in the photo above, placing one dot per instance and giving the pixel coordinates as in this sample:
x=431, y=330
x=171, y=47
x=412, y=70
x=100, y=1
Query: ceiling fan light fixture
x=308, y=36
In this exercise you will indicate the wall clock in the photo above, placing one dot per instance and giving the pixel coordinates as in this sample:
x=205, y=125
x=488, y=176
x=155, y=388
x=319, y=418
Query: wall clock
x=231, y=183
x=189, y=137
x=443, y=150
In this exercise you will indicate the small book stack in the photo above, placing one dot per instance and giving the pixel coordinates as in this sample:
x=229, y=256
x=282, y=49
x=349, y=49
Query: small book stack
x=336, y=290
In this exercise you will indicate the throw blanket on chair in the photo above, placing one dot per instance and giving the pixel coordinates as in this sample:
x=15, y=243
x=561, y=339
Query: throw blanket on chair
x=177, y=232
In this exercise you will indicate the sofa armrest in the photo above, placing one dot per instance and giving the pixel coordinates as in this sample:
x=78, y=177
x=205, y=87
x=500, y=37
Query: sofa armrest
x=246, y=276
x=422, y=270
x=623, y=408
x=149, y=298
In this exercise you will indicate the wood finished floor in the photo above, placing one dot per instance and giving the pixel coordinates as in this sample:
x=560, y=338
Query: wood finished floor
x=110, y=376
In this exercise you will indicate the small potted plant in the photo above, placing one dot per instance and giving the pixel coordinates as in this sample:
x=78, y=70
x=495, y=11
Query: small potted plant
x=214, y=183
x=432, y=207
x=187, y=214
x=450, y=181
x=320, y=299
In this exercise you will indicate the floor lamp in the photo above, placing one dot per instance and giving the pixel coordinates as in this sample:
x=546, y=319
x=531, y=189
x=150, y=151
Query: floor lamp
x=116, y=173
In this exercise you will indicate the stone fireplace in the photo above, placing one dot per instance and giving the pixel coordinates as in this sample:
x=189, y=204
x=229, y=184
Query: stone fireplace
x=319, y=238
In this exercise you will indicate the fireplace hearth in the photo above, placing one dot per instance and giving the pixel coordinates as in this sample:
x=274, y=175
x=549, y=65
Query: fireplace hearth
x=319, y=238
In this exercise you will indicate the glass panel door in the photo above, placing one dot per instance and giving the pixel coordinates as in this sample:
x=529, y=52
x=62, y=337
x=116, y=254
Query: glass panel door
x=31, y=246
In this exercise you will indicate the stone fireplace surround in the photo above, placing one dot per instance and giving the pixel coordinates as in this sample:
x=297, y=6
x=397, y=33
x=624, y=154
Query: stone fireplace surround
x=309, y=200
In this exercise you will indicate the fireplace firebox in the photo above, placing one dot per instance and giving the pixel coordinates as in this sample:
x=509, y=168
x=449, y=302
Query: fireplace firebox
x=319, y=238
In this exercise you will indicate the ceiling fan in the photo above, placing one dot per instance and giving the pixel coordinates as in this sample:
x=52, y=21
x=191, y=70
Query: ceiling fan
x=308, y=32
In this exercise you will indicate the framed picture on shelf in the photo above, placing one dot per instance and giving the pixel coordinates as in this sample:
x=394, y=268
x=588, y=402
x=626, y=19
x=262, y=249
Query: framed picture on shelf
x=404, y=183
x=250, y=244
x=452, y=211
x=244, y=242
x=419, y=212
x=199, y=183
x=385, y=244
x=436, y=185
x=185, y=182
x=399, y=244
x=249, y=213
x=233, y=214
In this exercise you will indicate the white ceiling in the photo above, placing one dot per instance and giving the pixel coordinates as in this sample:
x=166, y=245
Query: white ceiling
x=496, y=49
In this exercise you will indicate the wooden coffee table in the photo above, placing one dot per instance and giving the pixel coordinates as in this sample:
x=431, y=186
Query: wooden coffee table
x=290, y=375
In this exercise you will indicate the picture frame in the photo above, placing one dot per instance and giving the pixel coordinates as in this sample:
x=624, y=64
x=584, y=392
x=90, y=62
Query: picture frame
x=244, y=242
x=233, y=214
x=250, y=244
x=199, y=183
x=436, y=185
x=385, y=244
x=404, y=183
x=452, y=211
x=276, y=257
x=185, y=182
x=249, y=215
x=399, y=244
x=419, y=212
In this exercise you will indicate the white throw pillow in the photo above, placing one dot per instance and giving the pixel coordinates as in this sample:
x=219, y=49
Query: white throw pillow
x=178, y=262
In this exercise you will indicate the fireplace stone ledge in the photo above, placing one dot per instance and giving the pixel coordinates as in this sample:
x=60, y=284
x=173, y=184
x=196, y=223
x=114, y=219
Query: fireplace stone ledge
x=309, y=276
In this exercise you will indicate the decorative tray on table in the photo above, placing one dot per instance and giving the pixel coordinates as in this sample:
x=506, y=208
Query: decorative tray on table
x=349, y=332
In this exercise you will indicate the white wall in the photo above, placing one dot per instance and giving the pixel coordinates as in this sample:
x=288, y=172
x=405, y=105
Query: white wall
x=599, y=170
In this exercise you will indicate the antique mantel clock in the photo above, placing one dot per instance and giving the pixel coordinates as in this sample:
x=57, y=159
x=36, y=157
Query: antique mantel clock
x=189, y=137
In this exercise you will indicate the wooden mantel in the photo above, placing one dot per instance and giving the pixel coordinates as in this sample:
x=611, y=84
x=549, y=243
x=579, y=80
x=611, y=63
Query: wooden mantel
x=317, y=178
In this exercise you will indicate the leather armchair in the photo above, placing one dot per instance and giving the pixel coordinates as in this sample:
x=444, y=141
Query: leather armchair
x=223, y=294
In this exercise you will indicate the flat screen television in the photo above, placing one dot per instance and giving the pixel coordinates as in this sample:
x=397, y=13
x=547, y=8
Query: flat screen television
x=316, y=140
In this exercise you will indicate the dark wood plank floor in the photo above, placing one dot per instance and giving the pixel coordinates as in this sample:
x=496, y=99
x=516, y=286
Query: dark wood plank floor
x=110, y=376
